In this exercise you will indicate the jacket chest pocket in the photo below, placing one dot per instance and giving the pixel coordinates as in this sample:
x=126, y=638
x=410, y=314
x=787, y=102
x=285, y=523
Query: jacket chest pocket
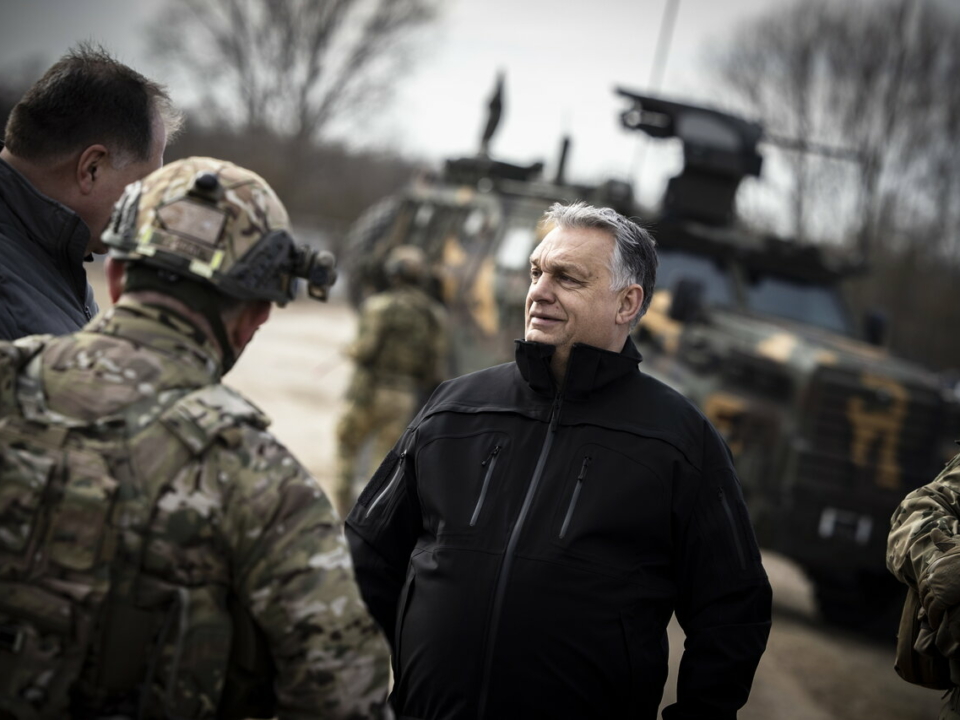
x=460, y=481
x=610, y=510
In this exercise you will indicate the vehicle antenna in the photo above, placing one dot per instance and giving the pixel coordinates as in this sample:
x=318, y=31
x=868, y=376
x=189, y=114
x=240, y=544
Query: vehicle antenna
x=656, y=73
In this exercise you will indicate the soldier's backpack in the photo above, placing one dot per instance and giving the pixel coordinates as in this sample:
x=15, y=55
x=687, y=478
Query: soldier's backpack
x=66, y=619
x=918, y=660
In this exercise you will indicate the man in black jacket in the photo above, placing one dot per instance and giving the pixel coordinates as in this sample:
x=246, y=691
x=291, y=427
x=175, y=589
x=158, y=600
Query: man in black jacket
x=528, y=539
x=79, y=135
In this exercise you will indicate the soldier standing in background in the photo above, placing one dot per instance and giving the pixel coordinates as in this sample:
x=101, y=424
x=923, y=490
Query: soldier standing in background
x=161, y=554
x=399, y=355
x=923, y=551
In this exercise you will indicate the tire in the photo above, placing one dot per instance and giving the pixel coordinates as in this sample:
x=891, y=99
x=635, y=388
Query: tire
x=867, y=603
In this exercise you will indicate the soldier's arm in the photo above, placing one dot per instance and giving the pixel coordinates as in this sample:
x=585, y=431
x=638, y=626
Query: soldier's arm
x=369, y=331
x=911, y=545
x=293, y=572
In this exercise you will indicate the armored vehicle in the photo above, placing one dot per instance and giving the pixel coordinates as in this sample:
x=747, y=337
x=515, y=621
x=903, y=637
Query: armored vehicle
x=829, y=430
x=477, y=222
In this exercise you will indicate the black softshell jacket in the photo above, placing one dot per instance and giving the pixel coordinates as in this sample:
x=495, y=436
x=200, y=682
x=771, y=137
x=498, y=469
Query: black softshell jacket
x=43, y=286
x=524, y=549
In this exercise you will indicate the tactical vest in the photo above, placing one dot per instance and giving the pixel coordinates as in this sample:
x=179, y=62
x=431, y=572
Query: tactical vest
x=407, y=348
x=84, y=631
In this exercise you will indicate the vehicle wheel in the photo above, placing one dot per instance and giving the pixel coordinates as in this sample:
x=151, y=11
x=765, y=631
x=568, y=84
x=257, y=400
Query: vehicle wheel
x=867, y=602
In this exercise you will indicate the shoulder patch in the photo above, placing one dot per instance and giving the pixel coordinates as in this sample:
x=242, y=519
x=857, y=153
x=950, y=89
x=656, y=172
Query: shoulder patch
x=205, y=414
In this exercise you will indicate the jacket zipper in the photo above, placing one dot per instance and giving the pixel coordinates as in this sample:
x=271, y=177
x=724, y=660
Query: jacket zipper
x=492, y=460
x=576, y=495
x=507, y=561
x=396, y=476
x=733, y=529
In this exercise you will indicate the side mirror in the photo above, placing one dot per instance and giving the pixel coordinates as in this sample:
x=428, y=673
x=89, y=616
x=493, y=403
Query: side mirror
x=687, y=303
x=875, y=327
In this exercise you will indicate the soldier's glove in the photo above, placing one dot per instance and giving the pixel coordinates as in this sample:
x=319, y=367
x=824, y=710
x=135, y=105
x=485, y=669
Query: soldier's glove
x=939, y=587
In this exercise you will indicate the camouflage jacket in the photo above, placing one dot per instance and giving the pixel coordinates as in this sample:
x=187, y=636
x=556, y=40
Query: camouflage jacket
x=401, y=340
x=936, y=505
x=225, y=546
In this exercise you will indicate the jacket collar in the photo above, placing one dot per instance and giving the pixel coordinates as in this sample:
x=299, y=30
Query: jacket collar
x=588, y=369
x=52, y=226
x=166, y=332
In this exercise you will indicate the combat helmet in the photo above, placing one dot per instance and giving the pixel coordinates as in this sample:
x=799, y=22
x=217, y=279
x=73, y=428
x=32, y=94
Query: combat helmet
x=218, y=224
x=405, y=263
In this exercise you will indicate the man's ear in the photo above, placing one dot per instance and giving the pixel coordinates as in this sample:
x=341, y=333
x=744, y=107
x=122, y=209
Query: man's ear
x=114, y=270
x=253, y=314
x=630, y=301
x=90, y=167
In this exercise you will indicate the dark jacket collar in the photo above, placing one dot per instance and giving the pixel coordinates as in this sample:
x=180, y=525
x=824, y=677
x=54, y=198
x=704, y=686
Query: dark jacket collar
x=52, y=226
x=588, y=369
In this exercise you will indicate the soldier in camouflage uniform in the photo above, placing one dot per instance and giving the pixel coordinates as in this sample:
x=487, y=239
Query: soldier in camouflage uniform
x=923, y=551
x=161, y=553
x=399, y=354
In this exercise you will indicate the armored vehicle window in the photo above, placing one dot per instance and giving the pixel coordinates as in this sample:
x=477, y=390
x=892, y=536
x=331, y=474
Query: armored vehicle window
x=818, y=305
x=715, y=276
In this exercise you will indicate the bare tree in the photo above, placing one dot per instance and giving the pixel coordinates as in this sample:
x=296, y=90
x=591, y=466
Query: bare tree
x=874, y=77
x=288, y=66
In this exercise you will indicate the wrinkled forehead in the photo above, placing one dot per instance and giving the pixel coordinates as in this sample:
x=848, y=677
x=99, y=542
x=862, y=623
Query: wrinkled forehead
x=585, y=248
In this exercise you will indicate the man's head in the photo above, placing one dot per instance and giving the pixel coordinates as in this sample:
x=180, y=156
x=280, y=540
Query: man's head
x=405, y=265
x=85, y=130
x=215, y=238
x=591, y=279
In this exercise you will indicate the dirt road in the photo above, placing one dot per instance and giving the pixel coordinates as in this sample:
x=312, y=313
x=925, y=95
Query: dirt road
x=296, y=372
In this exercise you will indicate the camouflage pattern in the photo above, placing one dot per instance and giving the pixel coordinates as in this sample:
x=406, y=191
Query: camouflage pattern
x=399, y=355
x=922, y=552
x=194, y=554
x=925, y=534
x=215, y=223
x=935, y=506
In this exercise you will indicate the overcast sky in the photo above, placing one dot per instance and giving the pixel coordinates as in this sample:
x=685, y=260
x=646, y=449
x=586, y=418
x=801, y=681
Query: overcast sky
x=562, y=59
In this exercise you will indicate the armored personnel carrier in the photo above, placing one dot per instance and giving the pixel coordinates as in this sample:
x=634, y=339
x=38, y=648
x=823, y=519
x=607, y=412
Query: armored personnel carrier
x=477, y=223
x=828, y=429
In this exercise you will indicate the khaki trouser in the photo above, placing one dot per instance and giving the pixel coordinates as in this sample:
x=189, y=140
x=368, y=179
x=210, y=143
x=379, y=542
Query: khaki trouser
x=383, y=418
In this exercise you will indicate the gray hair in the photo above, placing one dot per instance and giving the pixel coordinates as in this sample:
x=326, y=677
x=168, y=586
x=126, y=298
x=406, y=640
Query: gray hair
x=634, y=257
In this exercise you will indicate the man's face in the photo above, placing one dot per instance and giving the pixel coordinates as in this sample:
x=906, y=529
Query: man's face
x=112, y=182
x=570, y=299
